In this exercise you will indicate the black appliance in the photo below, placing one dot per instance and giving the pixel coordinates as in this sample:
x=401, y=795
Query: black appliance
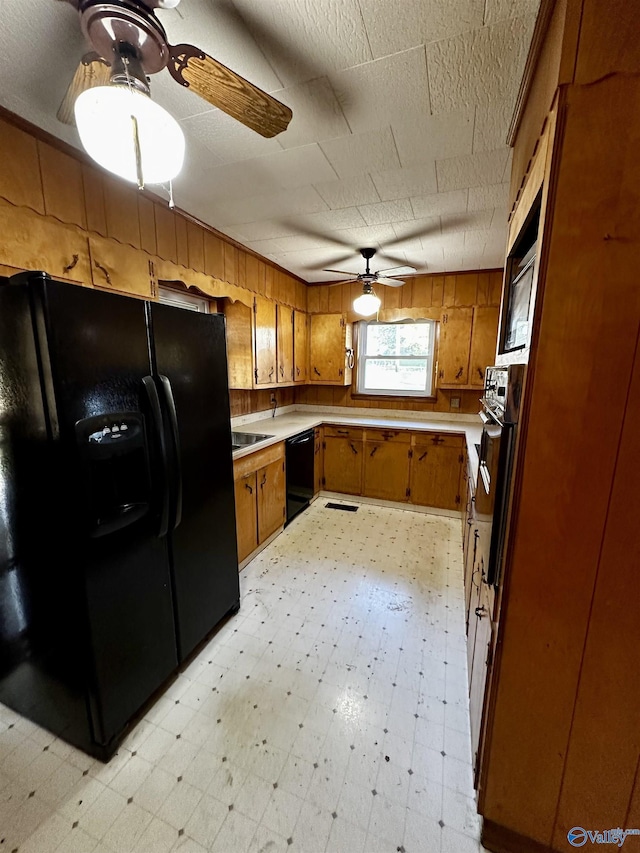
x=500, y=414
x=117, y=520
x=299, y=456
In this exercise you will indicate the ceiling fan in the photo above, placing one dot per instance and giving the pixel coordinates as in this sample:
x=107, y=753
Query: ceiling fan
x=368, y=303
x=129, y=43
x=117, y=28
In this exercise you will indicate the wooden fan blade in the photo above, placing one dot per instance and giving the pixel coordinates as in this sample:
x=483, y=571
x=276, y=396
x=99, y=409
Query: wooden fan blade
x=226, y=90
x=405, y=270
x=92, y=71
x=390, y=282
x=336, y=283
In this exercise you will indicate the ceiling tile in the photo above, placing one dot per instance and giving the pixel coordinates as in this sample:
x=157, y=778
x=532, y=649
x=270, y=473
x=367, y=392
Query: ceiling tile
x=304, y=39
x=492, y=125
x=486, y=167
x=268, y=206
x=437, y=204
x=362, y=152
x=414, y=233
x=479, y=67
x=423, y=138
x=265, y=247
x=317, y=115
x=349, y=192
x=495, y=10
x=333, y=220
x=301, y=242
x=369, y=235
x=265, y=230
x=395, y=26
x=404, y=183
x=226, y=138
x=482, y=198
x=480, y=220
x=385, y=91
x=386, y=211
x=294, y=167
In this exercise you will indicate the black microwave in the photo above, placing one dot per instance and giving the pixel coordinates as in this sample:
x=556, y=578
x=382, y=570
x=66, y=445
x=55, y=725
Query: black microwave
x=517, y=306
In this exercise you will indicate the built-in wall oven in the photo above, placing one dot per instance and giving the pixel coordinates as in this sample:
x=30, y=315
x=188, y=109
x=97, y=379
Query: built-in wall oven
x=500, y=415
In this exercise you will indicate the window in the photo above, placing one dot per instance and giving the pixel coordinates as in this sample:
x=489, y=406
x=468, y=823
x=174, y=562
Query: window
x=396, y=358
x=183, y=300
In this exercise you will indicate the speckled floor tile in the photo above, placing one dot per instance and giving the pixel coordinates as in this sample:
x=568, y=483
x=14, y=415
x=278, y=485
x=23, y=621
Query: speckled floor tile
x=329, y=714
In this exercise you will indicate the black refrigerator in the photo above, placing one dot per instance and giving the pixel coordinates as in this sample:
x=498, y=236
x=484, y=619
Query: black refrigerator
x=117, y=520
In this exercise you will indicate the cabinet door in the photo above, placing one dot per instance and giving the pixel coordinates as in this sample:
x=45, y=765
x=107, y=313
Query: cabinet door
x=264, y=331
x=271, y=499
x=239, y=348
x=435, y=471
x=33, y=242
x=122, y=268
x=479, y=668
x=318, y=460
x=327, y=353
x=246, y=514
x=285, y=344
x=453, y=346
x=300, y=346
x=484, y=335
x=386, y=470
x=343, y=464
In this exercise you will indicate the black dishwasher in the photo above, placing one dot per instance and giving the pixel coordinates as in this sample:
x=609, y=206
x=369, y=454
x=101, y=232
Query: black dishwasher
x=300, y=459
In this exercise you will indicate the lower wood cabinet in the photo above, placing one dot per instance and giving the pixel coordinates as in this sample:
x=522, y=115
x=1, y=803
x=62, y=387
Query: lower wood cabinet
x=343, y=459
x=318, y=459
x=436, y=469
x=260, y=496
x=387, y=455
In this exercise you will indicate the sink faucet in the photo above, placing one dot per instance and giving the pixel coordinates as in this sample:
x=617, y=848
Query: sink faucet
x=274, y=404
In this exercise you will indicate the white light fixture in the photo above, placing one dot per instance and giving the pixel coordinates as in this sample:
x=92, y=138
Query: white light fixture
x=366, y=304
x=130, y=135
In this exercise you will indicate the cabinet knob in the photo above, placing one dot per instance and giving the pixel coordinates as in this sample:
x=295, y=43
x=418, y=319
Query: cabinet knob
x=481, y=612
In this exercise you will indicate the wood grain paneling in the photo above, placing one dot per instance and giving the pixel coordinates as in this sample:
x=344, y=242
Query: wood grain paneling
x=230, y=263
x=195, y=245
x=214, y=255
x=121, y=207
x=166, y=243
x=62, y=186
x=96, y=214
x=20, y=168
x=182, y=243
x=147, y=225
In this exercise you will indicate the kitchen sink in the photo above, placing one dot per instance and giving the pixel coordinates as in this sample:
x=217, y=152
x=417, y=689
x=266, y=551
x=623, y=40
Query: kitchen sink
x=244, y=439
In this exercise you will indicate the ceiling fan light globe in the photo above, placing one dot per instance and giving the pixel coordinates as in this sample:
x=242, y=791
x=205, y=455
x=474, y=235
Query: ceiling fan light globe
x=103, y=118
x=366, y=304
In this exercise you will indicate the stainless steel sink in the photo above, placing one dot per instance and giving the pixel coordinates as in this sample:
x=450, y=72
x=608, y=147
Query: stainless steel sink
x=244, y=439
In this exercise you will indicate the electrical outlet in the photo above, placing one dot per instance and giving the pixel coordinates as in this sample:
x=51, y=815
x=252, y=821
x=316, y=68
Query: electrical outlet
x=455, y=403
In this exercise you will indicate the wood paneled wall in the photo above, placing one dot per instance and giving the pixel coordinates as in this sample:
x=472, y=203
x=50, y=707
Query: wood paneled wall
x=563, y=743
x=428, y=292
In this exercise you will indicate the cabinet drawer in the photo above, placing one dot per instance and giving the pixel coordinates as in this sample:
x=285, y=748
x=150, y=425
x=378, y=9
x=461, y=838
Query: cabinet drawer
x=401, y=435
x=257, y=460
x=440, y=439
x=343, y=432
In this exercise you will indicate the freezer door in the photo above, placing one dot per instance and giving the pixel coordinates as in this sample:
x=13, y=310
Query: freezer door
x=191, y=364
x=107, y=493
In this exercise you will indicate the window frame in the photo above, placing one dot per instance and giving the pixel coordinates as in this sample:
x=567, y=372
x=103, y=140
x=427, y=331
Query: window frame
x=180, y=299
x=361, y=333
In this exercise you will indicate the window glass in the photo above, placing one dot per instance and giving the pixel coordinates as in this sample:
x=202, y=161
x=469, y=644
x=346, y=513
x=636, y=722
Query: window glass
x=396, y=358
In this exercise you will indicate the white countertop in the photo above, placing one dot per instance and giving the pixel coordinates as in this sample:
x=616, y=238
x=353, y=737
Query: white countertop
x=294, y=420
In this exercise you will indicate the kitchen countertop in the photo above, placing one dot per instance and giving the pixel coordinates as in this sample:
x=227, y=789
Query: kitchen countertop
x=291, y=423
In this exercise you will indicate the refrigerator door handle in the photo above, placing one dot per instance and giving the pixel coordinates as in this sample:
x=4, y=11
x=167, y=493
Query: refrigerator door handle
x=175, y=435
x=156, y=413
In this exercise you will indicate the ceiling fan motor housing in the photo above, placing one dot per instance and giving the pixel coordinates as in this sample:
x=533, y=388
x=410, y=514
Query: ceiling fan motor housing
x=106, y=25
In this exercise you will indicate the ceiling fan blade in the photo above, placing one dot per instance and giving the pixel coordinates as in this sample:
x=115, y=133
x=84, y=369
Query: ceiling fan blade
x=405, y=270
x=92, y=71
x=341, y=272
x=226, y=90
x=390, y=282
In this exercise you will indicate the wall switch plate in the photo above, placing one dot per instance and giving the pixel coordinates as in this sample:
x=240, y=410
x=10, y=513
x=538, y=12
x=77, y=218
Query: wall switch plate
x=455, y=402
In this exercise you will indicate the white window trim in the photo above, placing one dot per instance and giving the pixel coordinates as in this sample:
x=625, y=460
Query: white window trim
x=188, y=301
x=390, y=392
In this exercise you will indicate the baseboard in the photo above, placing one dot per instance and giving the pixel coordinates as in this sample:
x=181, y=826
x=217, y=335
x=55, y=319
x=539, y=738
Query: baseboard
x=499, y=839
x=260, y=547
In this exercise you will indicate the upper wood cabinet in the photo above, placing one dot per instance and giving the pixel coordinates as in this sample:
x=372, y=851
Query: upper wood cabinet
x=33, y=242
x=122, y=268
x=467, y=345
x=264, y=311
x=330, y=350
x=453, y=347
x=285, y=344
x=239, y=343
x=300, y=346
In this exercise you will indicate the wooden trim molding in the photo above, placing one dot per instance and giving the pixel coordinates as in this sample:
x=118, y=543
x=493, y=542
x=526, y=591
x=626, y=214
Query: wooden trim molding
x=499, y=839
x=539, y=33
x=60, y=145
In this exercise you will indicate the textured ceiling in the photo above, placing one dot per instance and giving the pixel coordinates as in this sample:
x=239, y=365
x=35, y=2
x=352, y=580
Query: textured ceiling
x=400, y=113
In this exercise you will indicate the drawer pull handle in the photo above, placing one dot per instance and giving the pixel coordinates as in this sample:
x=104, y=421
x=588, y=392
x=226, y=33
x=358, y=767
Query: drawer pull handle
x=481, y=612
x=420, y=458
x=271, y=373
x=316, y=371
x=264, y=480
x=74, y=261
x=459, y=373
x=480, y=374
x=372, y=452
x=353, y=449
x=247, y=486
x=104, y=270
